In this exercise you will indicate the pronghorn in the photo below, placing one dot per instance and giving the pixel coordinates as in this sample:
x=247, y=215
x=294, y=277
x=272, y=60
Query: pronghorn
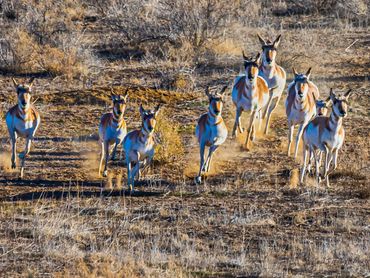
x=112, y=129
x=326, y=134
x=211, y=130
x=22, y=120
x=321, y=110
x=139, y=145
x=274, y=75
x=250, y=93
x=300, y=105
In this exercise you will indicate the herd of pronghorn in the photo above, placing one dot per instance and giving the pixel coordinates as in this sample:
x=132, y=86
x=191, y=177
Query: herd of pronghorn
x=258, y=90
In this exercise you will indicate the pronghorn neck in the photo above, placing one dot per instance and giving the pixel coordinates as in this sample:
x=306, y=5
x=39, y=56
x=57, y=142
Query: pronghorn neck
x=268, y=69
x=23, y=110
x=335, y=122
x=214, y=119
x=145, y=134
x=250, y=86
x=117, y=118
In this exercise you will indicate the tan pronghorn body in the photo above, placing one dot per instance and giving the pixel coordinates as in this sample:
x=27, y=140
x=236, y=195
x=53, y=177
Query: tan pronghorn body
x=139, y=145
x=326, y=134
x=112, y=129
x=300, y=105
x=211, y=131
x=273, y=74
x=250, y=93
x=22, y=120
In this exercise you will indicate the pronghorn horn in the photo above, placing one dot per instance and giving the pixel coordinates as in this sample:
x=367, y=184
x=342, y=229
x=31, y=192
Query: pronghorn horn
x=277, y=41
x=308, y=73
x=332, y=95
x=222, y=92
x=15, y=82
x=244, y=57
x=257, y=59
x=207, y=92
x=262, y=41
x=113, y=93
x=30, y=82
x=348, y=93
x=295, y=71
x=142, y=110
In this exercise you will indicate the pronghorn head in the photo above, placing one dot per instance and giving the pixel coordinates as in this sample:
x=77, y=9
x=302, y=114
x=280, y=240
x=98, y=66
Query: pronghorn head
x=251, y=66
x=119, y=103
x=340, y=104
x=216, y=101
x=322, y=106
x=24, y=92
x=301, y=83
x=269, y=50
x=148, y=118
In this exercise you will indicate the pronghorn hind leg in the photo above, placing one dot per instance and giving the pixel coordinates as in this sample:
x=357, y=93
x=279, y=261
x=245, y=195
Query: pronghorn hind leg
x=265, y=113
x=290, y=136
x=101, y=158
x=305, y=155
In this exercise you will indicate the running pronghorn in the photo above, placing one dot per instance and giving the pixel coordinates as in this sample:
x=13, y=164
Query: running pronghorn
x=326, y=134
x=112, y=129
x=211, y=130
x=300, y=105
x=250, y=93
x=139, y=145
x=22, y=120
x=274, y=75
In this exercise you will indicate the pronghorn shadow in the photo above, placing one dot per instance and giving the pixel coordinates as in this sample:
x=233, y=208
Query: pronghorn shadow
x=80, y=138
x=57, y=154
x=63, y=194
x=50, y=183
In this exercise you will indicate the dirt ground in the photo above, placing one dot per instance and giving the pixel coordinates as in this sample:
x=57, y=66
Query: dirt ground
x=250, y=218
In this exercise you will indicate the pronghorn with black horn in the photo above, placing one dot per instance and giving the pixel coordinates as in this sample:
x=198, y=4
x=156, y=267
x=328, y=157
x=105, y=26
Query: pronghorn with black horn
x=300, y=105
x=326, y=134
x=250, y=93
x=22, y=120
x=273, y=74
x=211, y=130
x=139, y=145
x=112, y=129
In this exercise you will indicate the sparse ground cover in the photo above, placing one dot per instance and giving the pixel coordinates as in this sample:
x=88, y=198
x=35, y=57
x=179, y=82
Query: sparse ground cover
x=249, y=218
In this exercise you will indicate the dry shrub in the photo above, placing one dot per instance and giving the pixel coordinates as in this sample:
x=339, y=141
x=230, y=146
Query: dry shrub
x=169, y=144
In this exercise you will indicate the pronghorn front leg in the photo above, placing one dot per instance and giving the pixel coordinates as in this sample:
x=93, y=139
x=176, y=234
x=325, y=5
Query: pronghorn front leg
x=268, y=104
x=14, y=150
x=102, y=158
x=237, y=124
x=106, y=153
x=198, y=179
x=305, y=155
x=113, y=157
x=23, y=155
x=290, y=136
x=250, y=127
x=211, y=151
x=299, y=135
x=328, y=158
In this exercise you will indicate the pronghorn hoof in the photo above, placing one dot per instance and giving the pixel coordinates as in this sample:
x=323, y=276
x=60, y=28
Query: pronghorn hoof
x=130, y=188
x=105, y=173
x=14, y=166
x=198, y=180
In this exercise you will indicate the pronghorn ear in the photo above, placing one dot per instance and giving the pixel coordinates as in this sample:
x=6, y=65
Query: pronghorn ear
x=223, y=90
x=207, y=92
x=125, y=95
x=277, y=41
x=308, y=73
x=328, y=101
x=295, y=71
x=348, y=94
x=15, y=82
x=262, y=41
x=258, y=58
x=142, y=110
x=332, y=95
x=112, y=94
x=31, y=81
x=244, y=57
x=156, y=110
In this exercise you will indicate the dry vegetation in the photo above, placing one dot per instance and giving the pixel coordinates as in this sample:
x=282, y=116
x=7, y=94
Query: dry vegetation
x=250, y=218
